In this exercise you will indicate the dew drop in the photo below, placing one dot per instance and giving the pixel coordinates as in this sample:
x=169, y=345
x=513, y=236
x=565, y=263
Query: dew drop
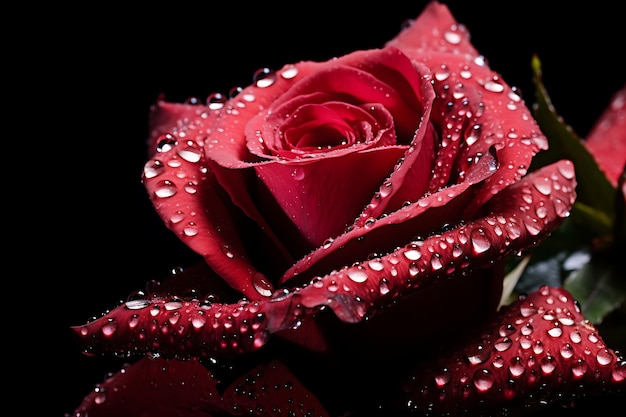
x=543, y=185
x=480, y=242
x=413, y=254
x=383, y=286
x=528, y=310
x=477, y=355
x=262, y=285
x=137, y=304
x=435, y=262
x=227, y=252
x=166, y=142
x=483, y=379
x=555, y=331
x=153, y=168
x=618, y=374
x=567, y=351
x=190, y=154
x=216, y=101
x=548, y=364
x=289, y=72
x=198, y=320
x=516, y=366
x=190, y=230
x=494, y=86
x=503, y=344
x=579, y=368
x=376, y=265
x=297, y=174
x=357, y=275
x=109, y=328
x=453, y=38
x=442, y=377
x=165, y=189
x=264, y=77
x=604, y=357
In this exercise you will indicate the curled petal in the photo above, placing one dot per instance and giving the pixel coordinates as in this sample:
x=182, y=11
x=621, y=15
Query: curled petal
x=465, y=83
x=537, y=351
x=607, y=139
x=163, y=388
x=520, y=216
x=179, y=185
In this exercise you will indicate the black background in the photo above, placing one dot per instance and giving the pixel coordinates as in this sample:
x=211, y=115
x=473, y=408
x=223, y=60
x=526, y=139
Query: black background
x=102, y=67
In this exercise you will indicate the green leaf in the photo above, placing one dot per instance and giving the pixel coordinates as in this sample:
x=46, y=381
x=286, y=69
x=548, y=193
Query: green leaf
x=597, y=287
x=594, y=189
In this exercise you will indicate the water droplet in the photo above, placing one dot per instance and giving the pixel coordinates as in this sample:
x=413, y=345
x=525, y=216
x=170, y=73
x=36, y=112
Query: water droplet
x=153, y=168
x=618, y=374
x=109, y=328
x=516, y=366
x=190, y=230
x=494, y=85
x=555, y=331
x=567, y=351
x=376, y=265
x=383, y=286
x=452, y=36
x=262, y=285
x=413, y=254
x=503, y=344
x=543, y=185
x=527, y=329
x=477, y=355
x=579, y=368
x=226, y=251
x=604, y=357
x=165, y=189
x=548, y=364
x=264, y=77
x=216, y=101
x=435, y=262
x=442, y=377
x=357, y=275
x=527, y=310
x=480, y=242
x=297, y=174
x=198, y=320
x=483, y=379
x=289, y=72
x=189, y=154
x=166, y=142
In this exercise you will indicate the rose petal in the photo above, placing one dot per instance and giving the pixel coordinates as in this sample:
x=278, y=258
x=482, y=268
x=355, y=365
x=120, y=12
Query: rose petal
x=607, y=139
x=538, y=351
x=179, y=187
x=164, y=388
x=155, y=388
x=520, y=216
x=503, y=120
x=370, y=235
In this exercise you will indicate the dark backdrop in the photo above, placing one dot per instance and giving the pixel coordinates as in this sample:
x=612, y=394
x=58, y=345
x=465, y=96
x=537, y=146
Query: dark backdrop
x=106, y=65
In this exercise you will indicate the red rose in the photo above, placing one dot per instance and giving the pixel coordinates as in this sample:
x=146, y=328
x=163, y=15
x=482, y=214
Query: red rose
x=383, y=188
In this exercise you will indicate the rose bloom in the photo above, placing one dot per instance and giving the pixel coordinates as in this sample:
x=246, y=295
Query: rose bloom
x=355, y=217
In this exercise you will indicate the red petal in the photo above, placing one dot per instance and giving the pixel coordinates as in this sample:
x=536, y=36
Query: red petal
x=521, y=215
x=539, y=350
x=271, y=390
x=180, y=188
x=155, y=388
x=462, y=78
x=165, y=388
x=607, y=139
